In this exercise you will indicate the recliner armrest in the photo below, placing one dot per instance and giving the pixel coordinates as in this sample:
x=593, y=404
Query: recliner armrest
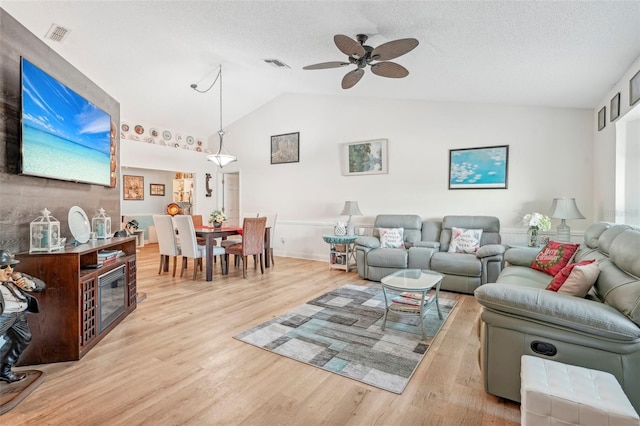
x=369, y=242
x=547, y=307
x=520, y=256
x=490, y=250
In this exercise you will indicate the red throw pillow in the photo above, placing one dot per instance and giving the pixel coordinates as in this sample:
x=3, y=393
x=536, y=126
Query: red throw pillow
x=553, y=257
x=564, y=273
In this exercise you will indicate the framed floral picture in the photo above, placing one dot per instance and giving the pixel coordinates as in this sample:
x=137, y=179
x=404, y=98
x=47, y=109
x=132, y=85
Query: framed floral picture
x=133, y=187
x=479, y=168
x=365, y=158
x=285, y=148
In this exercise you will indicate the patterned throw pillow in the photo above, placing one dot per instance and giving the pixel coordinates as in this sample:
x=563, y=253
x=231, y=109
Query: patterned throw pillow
x=580, y=280
x=564, y=273
x=553, y=257
x=465, y=240
x=391, y=237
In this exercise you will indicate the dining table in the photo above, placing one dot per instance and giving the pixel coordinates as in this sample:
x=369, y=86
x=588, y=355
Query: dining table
x=210, y=233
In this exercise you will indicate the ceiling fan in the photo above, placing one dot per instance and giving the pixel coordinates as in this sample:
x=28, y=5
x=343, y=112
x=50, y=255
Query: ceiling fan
x=362, y=55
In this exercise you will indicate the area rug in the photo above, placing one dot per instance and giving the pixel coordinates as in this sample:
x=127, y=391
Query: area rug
x=340, y=332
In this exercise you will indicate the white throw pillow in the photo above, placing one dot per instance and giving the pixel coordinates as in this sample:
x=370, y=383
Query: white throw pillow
x=465, y=240
x=391, y=237
x=580, y=280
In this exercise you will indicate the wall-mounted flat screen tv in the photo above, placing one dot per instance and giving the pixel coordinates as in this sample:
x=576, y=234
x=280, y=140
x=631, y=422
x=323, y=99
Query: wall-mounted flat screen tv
x=64, y=136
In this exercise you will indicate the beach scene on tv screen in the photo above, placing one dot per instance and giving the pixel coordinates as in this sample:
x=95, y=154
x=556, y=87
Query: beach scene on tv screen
x=64, y=136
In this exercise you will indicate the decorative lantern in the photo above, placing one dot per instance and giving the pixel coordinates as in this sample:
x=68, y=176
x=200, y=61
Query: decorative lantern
x=45, y=233
x=101, y=225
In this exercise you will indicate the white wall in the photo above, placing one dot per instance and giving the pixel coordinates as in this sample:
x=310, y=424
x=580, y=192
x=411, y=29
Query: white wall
x=550, y=156
x=604, y=148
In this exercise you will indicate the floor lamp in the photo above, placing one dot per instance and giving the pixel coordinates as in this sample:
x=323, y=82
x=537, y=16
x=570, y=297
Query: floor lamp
x=564, y=208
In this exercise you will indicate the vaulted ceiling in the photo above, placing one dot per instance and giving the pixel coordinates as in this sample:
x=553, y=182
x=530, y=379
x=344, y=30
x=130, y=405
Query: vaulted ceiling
x=146, y=54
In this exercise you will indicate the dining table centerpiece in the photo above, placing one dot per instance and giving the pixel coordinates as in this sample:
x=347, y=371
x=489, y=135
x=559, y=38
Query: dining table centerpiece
x=217, y=218
x=536, y=222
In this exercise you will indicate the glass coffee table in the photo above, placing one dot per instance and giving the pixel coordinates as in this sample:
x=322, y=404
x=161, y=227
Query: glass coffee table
x=405, y=293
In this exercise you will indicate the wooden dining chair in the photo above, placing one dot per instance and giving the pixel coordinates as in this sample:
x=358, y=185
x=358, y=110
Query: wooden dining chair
x=235, y=239
x=272, y=218
x=190, y=247
x=252, y=242
x=167, y=242
x=197, y=221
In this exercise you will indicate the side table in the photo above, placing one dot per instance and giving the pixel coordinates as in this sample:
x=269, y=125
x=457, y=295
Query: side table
x=342, y=251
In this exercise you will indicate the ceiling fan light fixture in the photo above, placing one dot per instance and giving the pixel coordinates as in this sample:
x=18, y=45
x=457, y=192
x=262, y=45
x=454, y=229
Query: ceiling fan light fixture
x=362, y=55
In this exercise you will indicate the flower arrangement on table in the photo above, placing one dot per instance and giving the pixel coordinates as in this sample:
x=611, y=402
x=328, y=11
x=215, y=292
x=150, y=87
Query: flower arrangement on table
x=536, y=222
x=217, y=218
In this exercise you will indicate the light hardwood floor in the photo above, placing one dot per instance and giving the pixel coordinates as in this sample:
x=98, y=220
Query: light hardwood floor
x=174, y=361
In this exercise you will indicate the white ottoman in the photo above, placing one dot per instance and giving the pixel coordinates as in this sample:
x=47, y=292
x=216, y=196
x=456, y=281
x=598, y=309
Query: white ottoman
x=559, y=394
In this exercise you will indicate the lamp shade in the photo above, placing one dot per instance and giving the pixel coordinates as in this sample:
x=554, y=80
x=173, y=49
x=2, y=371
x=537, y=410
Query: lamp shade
x=565, y=208
x=351, y=209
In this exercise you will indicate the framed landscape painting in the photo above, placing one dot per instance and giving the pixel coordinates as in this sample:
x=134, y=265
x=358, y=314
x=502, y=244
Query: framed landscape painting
x=479, y=168
x=365, y=158
x=285, y=148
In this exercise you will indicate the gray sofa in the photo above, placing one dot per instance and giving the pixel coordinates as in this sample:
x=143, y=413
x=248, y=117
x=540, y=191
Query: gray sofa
x=426, y=247
x=601, y=331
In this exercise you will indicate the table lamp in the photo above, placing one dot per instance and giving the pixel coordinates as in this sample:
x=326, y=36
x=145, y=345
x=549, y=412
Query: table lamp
x=564, y=208
x=350, y=208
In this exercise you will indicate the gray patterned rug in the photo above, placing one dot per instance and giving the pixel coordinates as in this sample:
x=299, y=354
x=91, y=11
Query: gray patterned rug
x=340, y=332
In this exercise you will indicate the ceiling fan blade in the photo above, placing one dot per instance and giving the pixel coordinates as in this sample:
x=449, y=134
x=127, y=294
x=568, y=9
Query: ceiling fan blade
x=393, y=49
x=348, y=46
x=351, y=78
x=326, y=65
x=389, y=69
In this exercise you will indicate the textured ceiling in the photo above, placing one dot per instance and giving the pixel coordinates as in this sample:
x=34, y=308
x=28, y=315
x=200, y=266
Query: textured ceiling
x=147, y=53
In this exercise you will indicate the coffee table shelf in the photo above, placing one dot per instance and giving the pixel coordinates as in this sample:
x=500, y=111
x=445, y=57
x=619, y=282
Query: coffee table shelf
x=415, y=284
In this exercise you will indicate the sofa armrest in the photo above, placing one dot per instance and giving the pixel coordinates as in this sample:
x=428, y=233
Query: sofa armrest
x=542, y=306
x=521, y=256
x=490, y=250
x=369, y=242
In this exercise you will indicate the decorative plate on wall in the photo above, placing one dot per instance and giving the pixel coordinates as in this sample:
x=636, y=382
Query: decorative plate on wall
x=173, y=209
x=166, y=135
x=124, y=127
x=179, y=138
x=190, y=140
x=139, y=129
x=154, y=132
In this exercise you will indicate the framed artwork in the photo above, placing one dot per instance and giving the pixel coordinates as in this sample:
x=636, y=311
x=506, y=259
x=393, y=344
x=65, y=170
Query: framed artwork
x=285, y=148
x=614, y=107
x=479, y=168
x=156, y=189
x=634, y=89
x=133, y=187
x=602, y=118
x=365, y=158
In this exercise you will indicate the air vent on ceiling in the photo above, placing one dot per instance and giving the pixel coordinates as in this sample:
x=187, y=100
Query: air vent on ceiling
x=276, y=63
x=57, y=33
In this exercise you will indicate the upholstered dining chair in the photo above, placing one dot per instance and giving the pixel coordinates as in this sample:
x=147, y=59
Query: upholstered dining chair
x=252, y=242
x=197, y=221
x=272, y=218
x=190, y=247
x=235, y=239
x=167, y=242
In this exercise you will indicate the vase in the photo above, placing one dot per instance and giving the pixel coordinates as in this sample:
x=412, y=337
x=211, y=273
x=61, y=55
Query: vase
x=217, y=224
x=533, y=237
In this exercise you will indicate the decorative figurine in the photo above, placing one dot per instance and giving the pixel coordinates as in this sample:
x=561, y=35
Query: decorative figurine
x=129, y=229
x=15, y=299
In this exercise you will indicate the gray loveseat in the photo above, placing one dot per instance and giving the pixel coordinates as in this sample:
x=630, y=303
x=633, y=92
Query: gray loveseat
x=600, y=332
x=426, y=247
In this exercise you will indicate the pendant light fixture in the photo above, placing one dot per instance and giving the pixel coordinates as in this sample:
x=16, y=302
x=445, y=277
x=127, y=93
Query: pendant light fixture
x=222, y=157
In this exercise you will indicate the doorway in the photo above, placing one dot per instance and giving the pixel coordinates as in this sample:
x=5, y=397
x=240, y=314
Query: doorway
x=231, y=198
